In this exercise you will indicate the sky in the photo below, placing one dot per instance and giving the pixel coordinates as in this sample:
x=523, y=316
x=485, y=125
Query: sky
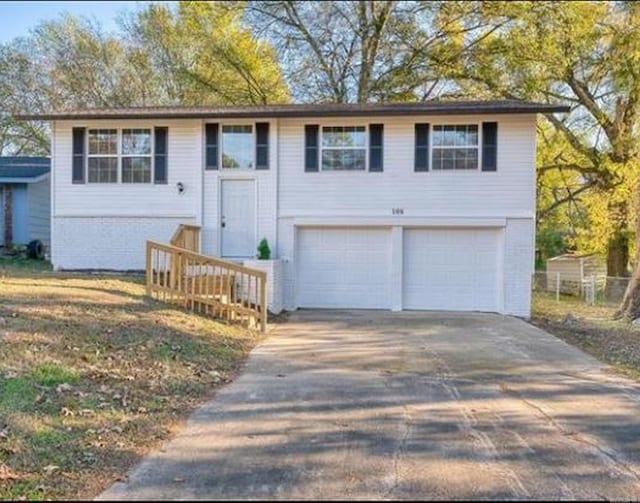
x=17, y=18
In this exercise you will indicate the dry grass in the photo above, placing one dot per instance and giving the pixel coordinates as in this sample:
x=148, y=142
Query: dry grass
x=93, y=374
x=592, y=329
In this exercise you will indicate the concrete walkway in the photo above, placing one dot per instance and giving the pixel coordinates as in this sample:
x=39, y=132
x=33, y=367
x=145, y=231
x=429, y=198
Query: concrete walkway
x=367, y=404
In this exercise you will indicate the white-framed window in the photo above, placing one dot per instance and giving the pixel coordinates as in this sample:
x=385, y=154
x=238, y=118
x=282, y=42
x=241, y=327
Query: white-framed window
x=238, y=146
x=136, y=155
x=343, y=148
x=102, y=156
x=455, y=147
x=124, y=155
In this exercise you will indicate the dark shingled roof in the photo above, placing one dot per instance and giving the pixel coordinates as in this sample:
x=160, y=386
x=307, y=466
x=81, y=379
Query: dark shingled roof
x=23, y=168
x=307, y=110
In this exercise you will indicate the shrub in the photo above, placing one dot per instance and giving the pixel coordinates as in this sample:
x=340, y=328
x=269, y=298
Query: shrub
x=264, y=252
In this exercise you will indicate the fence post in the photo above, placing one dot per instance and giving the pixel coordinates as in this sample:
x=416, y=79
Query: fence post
x=593, y=289
x=263, y=304
x=557, y=287
x=149, y=268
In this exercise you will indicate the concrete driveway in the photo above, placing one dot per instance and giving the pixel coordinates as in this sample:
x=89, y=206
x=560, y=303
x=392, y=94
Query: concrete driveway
x=383, y=405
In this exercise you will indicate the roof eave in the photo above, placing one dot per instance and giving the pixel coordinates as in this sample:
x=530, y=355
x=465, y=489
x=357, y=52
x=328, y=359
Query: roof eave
x=289, y=113
x=24, y=179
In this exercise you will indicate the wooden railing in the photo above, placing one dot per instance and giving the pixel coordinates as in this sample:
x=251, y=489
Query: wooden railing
x=207, y=285
x=187, y=236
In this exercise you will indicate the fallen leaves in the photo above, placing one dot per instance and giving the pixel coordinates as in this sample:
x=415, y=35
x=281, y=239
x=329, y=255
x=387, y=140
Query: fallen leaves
x=79, y=436
x=6, y=473
x=67, y=412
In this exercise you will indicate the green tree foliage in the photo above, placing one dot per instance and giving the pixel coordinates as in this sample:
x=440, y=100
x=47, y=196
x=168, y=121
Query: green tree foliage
x=204, y=54
x=195, y=54
x=581, y=53
x=20, y=90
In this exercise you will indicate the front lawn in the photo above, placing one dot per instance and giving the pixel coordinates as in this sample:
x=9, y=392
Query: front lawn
x=93, y=375
x=590, y=328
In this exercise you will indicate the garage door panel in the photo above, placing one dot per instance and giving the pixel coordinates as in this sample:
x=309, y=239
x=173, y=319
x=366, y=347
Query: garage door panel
x=343, y=267
x=451, y=269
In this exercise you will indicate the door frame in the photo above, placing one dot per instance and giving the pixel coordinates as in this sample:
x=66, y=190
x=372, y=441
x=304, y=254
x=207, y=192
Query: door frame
x=248, y=177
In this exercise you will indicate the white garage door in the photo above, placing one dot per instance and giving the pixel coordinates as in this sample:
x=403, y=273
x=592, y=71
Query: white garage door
x=343, y=267
x=451, y=269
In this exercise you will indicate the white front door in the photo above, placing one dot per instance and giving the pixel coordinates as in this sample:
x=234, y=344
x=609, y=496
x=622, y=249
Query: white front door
x=238, y=218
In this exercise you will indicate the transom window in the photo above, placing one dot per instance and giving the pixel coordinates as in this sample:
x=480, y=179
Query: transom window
x=132, y=151
x=103, y=156
x=237, y=147
x=455, y=147
x=344, y=148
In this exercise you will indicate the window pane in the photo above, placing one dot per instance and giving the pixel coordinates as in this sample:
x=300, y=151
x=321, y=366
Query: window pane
x=448, y=157
x=347, y=136
x=449, y=138
x=103, y=170
x=455, y=158
x=136, y=141
x=438, y=136
x=437, y=158
x=454, y=136
x=237, y=147
x=136, y=170
x=103, y=142
x=344, y=159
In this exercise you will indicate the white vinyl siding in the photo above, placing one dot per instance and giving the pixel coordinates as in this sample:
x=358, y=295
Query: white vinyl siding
x=507, y=192
x=184, y=164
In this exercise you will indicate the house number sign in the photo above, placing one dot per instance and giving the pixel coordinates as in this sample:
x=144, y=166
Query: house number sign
x=397, y=211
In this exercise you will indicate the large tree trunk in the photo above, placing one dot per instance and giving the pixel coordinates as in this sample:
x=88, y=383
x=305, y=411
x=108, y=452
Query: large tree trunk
x=630, y=306
x=618, y=246
x=618, y=254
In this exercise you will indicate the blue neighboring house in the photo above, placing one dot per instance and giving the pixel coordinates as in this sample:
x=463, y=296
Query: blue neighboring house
x=25, y=200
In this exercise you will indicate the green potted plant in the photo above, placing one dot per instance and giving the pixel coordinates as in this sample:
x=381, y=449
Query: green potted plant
x=264, y=252
x=273, y=267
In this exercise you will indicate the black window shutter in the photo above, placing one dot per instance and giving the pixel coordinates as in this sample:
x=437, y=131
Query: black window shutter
x=489, y=146
x=211, y=146
x=421, y=158
x=78, y=164
x=160, y=156
x=311, y=148
x=376, y=132
x=262, y=145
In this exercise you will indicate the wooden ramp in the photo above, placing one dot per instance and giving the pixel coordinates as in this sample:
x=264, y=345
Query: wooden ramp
x=204, y=284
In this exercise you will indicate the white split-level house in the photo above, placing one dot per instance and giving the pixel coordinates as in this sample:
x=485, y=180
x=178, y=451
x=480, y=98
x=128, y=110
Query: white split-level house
x=420, y=206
